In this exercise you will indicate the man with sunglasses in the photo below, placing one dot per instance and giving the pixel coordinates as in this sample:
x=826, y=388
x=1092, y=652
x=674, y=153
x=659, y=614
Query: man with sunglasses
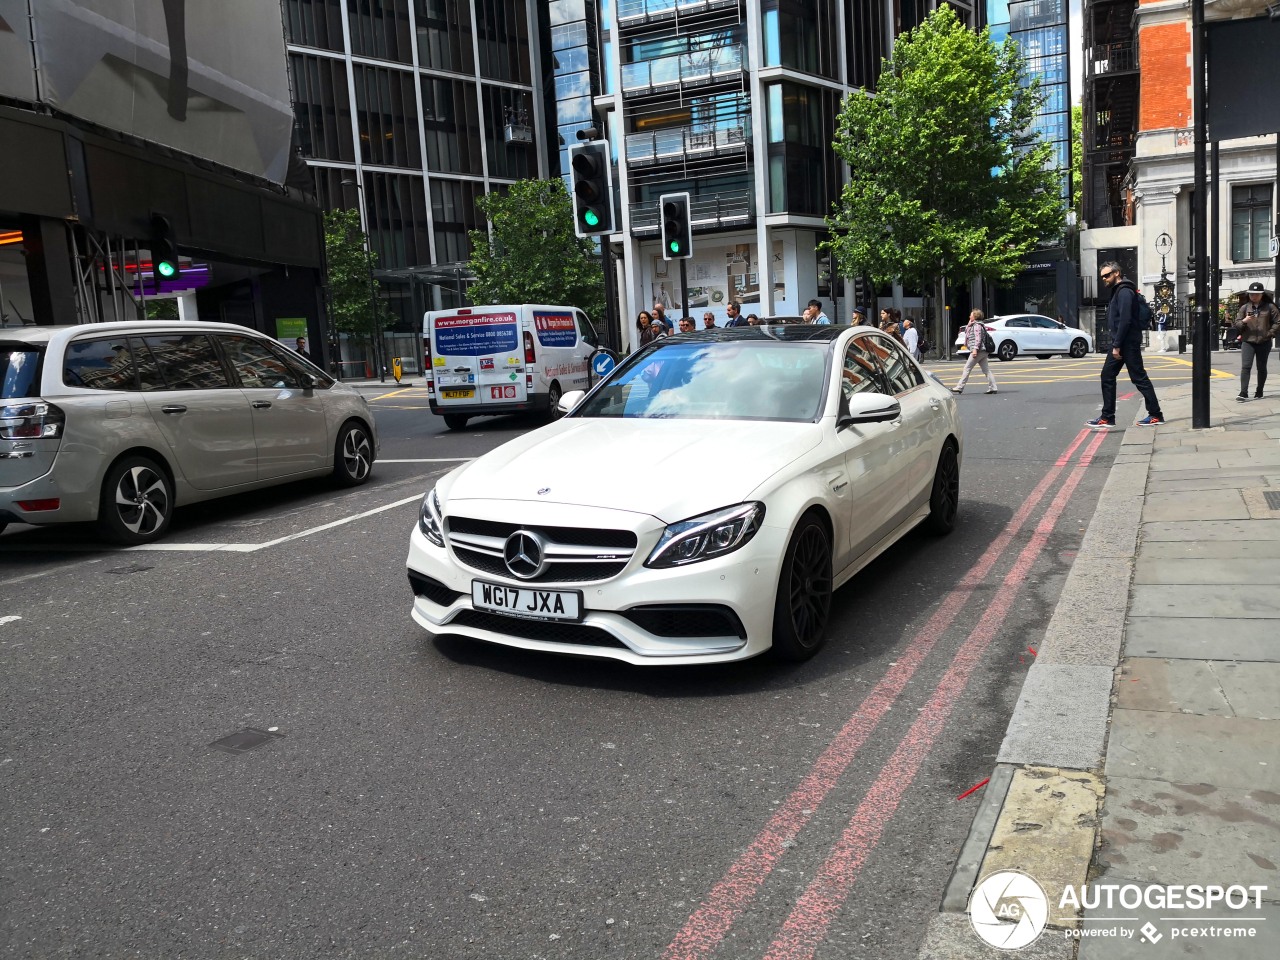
x=1126, y=351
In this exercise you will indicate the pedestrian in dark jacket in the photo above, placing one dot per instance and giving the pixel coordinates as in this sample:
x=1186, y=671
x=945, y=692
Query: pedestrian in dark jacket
x=1126, y=350
x=1258, y=322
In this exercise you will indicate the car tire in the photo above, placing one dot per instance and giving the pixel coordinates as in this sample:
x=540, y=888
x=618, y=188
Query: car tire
x=136, y=503
x=352, y=455
x=803, y=602
x=455, y=421
x=1079, y=348
x=944, y=497
x=1007, y=350
x=554, y=393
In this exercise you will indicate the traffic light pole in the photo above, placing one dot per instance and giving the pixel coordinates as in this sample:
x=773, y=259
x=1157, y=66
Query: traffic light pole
x=684, y=291
x=1201, y=359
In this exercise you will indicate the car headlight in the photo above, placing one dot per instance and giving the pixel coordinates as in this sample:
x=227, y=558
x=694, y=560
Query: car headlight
x=710, y=535
x=431, y=518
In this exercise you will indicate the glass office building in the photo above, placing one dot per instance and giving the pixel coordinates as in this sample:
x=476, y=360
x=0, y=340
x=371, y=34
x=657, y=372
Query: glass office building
x=409, y=110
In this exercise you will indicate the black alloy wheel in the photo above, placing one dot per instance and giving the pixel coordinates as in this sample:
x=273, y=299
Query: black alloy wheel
x=1007, y=350
x=137, y=502
x=944, y=498
x=803, y=602
x=553, y=400
x=352, y=455
x=1079, y=347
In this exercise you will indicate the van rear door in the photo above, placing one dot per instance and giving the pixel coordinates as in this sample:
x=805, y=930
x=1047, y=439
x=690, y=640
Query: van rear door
x=477, y=358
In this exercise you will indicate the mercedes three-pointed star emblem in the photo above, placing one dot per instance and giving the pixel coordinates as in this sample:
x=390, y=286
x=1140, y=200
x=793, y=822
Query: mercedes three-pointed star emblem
x=525, y=554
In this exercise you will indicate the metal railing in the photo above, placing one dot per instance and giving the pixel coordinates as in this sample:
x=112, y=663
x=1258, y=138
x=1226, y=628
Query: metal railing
x=695, y=67
x=731, y=206
x=674, y=142
x=1111, y=58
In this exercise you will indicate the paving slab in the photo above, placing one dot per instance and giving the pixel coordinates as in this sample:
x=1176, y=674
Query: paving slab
x=1199, y=639
x=950, y=937
x=1222, y=688
x=1187, y=748
x=1205, y=570
x=1173, y=832
x=1252, y=689
x=1060, y=719
x=1173, y=929
x=1160, y=486
x=1251, y=550
x=1212, y=530
x=1183, y=458
x=1238, y=600
x=1046, y=830
x=1212, y=438
x=1224, y=505
x=1252, y=457
x=1180, y=474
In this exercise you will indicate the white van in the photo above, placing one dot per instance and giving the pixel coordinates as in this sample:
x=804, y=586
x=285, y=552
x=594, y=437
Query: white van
x=495, y=360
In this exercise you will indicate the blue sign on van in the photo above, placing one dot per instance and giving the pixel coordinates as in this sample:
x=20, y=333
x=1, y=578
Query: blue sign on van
x=555, y=329
x=474, y=335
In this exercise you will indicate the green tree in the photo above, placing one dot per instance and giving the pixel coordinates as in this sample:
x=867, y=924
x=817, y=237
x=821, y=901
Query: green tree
x=349, y=263
x=1077, y=161
x=532, y=254
x=944, y=167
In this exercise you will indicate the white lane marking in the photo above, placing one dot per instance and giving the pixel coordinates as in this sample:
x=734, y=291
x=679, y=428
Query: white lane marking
x=437, y=460
x=4, y=620
x=254, y=547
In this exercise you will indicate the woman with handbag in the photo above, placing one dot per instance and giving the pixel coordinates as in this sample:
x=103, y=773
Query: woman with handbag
x=975, y=338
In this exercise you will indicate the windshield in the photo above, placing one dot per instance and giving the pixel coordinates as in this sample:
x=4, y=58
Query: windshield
x=731, y=380
x=19, y=370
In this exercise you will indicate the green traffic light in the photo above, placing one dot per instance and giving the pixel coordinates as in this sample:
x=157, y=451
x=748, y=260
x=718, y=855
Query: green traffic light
x=592, y=218
x=166, y=269
x=675, y=246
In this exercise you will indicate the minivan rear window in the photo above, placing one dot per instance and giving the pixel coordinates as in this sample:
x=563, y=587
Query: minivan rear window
x=20, y=365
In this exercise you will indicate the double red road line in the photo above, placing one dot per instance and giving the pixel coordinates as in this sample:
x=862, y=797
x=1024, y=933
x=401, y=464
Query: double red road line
x=804, y=928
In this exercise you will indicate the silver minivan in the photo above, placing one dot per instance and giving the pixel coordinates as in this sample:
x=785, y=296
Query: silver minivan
x=120, y=423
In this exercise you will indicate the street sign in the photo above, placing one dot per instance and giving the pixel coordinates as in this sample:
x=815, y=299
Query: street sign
x=1273, y=248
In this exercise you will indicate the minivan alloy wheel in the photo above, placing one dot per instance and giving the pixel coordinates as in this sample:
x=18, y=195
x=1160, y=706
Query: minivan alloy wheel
x=137, y=502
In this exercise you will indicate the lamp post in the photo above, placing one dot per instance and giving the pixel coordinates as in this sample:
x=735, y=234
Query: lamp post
x=1201, y=360
x=373, y=296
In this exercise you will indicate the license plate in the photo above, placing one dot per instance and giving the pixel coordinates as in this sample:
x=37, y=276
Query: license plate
x=465, y=393
x=527, y=602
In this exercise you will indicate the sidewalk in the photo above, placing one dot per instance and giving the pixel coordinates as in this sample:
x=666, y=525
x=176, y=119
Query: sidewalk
x=1144, y=750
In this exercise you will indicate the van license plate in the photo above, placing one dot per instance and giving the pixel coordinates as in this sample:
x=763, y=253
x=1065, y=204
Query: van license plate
x=460, y=394
x=526, y=602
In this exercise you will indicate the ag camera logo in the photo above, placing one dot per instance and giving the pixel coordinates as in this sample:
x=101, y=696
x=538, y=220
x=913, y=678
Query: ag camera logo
x=1008, y=910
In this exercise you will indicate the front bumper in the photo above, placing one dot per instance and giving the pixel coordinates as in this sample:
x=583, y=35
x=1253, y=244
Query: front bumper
x=710, y=612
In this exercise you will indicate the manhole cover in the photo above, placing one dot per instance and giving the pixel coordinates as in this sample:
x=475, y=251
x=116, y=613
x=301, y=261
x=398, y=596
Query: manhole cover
x=1273, y=498
x=242, y=741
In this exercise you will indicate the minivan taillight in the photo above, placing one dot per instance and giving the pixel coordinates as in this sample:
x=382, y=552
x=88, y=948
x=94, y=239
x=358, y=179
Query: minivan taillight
x=31, y=420
x=528, y=348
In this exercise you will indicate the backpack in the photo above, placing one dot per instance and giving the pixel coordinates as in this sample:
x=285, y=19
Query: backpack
x=988, y=345
x=1143, y=316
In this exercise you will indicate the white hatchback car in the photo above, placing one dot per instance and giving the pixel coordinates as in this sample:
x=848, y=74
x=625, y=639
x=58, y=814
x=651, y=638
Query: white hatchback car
x=698, y=505
x=1033, y=335
x=120, y=423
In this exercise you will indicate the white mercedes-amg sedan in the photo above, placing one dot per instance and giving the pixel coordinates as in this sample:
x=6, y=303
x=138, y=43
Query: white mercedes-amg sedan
x=698, y=505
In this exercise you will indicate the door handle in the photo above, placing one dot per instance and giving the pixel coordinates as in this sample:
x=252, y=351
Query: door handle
x=174, y=408
x=261, y=404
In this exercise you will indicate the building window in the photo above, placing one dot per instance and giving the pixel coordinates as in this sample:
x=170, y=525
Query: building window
x=502, y=38
x=387, y=113
x=453, y=213
x=1250, y=222
x=800, y=36
x=321, y=107
x=397, y=212
x=452, y=126
x=380, y=29
x=314, y=23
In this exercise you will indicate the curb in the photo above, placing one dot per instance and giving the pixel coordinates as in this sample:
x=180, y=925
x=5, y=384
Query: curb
x=1041, y=810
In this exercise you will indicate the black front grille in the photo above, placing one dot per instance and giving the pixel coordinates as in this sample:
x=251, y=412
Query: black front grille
x=547, y=631
x=555, y=572
x=687, y=620
x=433, y=590
x=575, y=536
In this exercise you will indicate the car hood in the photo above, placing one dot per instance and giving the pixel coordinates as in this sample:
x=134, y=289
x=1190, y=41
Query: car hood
x=665, y=468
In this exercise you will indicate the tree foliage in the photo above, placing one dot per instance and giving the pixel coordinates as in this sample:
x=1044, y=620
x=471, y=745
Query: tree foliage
x=944, y=166
x=350, y=261
x=532, y=255
x=1077, y=161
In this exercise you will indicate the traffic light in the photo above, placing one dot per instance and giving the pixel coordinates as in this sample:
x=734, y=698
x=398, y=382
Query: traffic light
x=677, y=231
x=592, y=176
x=1191, y=266
x=164, y=249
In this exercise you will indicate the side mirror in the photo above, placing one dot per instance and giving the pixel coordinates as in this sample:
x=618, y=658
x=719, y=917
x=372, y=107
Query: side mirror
x=307, y=381
x=570, y=400
x=867, y=408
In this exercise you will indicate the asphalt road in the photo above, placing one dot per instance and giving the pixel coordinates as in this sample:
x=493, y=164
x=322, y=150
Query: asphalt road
x=430, y=797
